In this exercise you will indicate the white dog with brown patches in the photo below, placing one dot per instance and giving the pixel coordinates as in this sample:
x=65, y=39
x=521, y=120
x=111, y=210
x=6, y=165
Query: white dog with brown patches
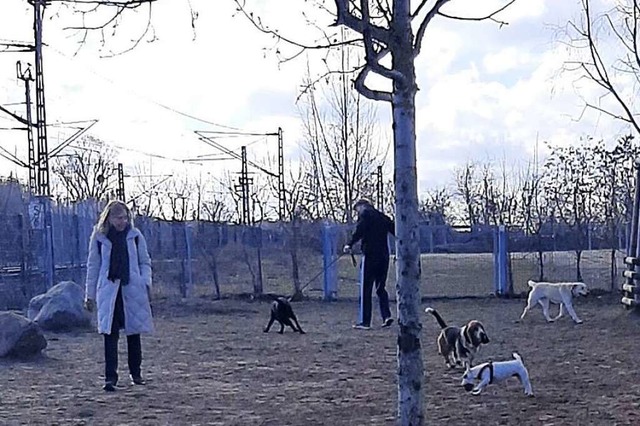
x=558, y=293
x=476, y=379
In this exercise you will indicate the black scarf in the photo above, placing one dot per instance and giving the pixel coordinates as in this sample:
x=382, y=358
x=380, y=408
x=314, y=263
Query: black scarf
x=119, y=263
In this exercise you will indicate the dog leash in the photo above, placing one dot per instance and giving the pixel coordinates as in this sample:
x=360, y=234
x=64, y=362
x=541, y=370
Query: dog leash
x=325, y=270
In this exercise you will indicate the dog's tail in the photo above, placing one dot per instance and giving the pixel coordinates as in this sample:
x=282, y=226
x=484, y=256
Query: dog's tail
x=517, y=357
x=531, y=283
x=437, y=316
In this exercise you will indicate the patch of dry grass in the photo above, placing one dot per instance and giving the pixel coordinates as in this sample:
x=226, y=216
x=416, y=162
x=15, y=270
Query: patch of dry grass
x=443, y=275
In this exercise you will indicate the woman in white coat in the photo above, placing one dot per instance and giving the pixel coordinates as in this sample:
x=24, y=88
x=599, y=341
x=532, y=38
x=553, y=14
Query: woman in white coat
x=118, y=283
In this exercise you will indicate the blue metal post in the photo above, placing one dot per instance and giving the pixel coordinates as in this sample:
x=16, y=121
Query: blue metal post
x=502, y=256
x=330, y=278
x=188, y=273
x=496, y=262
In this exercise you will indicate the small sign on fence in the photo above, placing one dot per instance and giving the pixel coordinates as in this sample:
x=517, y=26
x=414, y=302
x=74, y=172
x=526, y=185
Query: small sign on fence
x=36, y=214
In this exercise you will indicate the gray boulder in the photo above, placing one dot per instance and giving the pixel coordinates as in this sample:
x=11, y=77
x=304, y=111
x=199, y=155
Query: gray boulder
x=19, y=337
x=60, y=309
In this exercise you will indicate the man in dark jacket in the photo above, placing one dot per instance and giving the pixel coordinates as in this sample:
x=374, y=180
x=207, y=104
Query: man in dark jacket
x=372, y=229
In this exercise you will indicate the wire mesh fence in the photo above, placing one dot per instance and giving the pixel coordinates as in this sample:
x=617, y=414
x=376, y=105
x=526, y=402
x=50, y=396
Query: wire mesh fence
x=205, y=259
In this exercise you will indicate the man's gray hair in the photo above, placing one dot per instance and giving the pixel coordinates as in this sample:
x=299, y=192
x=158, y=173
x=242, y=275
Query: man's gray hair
x=363, y=202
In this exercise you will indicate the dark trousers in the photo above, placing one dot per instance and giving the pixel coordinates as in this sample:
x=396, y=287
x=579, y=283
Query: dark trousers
x=373, y=273
x=134, y=347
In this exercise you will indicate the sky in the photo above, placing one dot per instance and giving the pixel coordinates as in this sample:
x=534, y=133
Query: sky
x=487, y=92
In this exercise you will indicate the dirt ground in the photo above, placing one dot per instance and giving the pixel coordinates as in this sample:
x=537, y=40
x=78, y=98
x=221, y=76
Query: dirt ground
x=210, y=364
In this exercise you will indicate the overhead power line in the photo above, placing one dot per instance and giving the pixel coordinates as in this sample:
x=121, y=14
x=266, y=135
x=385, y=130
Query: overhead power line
x=145, y=97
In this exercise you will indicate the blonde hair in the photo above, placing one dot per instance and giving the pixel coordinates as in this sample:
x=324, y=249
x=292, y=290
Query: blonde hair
x=103, y=221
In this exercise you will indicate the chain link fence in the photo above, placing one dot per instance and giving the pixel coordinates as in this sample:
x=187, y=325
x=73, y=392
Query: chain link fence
x=204, y=259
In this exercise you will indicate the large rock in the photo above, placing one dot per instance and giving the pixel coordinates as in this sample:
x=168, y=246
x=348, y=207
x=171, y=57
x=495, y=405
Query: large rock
x=61, y=308
x=19, y=337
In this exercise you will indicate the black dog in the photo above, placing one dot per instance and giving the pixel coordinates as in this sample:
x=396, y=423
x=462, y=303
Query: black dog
x=282, y=312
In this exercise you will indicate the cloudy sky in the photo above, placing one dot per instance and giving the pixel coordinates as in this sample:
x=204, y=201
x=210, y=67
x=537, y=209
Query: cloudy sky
x=487, y=93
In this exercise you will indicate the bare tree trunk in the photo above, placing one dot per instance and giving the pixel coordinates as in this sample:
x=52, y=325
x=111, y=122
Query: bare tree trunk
x=408, y=271
x=214, y=269
x=614, y=269
x=247, y=260
x=540, y=265
x=578, y=269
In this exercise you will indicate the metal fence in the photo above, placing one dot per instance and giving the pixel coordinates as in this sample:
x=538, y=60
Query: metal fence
x=204, y=259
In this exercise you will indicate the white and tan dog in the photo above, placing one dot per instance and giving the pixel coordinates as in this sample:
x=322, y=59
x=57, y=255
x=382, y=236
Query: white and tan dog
x=476, y=379
x=558, y=293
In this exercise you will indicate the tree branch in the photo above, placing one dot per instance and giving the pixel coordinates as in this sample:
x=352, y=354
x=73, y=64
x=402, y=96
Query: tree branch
x=137, y=41
x=372, y=57
x=349, y=20
x=490, y=16
x=425, y=22
x=129, y=4
x=256, y=22
x=361, y=87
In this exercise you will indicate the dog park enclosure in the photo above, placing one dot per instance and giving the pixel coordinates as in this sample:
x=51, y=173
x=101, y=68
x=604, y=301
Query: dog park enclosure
x=212, y=259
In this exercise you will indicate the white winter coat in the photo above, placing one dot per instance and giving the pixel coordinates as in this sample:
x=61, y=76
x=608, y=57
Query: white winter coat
x=137, y=309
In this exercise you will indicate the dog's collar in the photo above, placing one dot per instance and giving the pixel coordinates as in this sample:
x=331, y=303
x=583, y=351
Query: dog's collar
x=488, y=366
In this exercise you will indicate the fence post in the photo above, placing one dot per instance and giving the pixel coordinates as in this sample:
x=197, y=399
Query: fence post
x=504, y=261
x=187, y=278
x=330, y=279
x=496, y=262
x=40, y=218
x=24, y=258
x=500, y=260
x=76, y=256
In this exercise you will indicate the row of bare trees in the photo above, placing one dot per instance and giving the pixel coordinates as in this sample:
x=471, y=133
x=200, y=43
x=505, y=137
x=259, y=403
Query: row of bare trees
x=396, y=30
x=582, y=186
x=586, y=181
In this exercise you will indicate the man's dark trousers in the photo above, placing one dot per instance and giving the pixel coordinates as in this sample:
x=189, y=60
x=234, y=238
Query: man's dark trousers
x=373, y=272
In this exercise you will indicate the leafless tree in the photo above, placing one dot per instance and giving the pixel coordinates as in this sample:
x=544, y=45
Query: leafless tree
x=177, y=196
x=212, y=214
x=605, y=46
x=506, y=197
x=397, y=29
x=85, y=170
x=298, y=205
x=251, y=231
x=103, y=21
x=570, y=185
x=436, y=205
x=534, y=210
x=488, y=198
x=614, y=184
x=144, y=190
x=467, y=183
x=340, y=139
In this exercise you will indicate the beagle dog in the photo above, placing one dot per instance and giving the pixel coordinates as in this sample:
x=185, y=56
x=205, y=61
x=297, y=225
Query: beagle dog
x=459, y=345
